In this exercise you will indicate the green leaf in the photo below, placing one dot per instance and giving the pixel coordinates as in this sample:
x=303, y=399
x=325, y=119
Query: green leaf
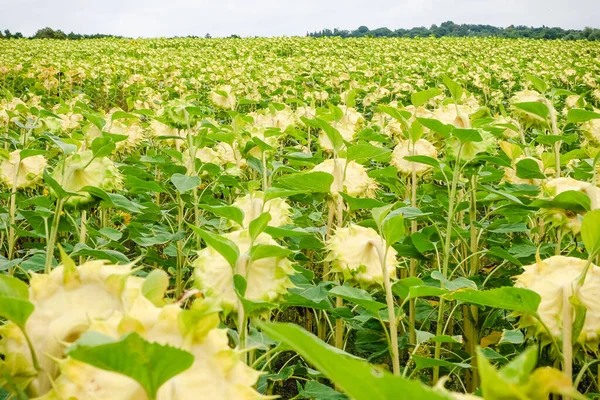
x=111, y=233
x=66, y=148
x=425, y=291
x=103, y=147
x=316, y=390
x=380, y=213
x=149, y=364
x=573, y=200
x=534, y=107
x=55, y=186
x=402, y=287
x=250, y=307
x=467, y=135
x=366, y=152
x=590, y=232
x=258, y=225
x=184, y=183
x=155, y=285
x=222, y=245
x=398, y=115
x=232, y=213
x=312, y=182
x=436, y=126
x=538, y=83
x=358, y=296
x=355, y=203
x=419, y=98
x=13, y=287
x=529, y=169
x=416, y=131
x=392, y=227
x=513, y=336
x=14, y=300
x=260, y=251
x=355, y=377
x=508, y=298
x=423, y=160
x=503, y=255
x=577, y=115
x=426, y=362
x=336, y=139
x=455, y=89
x=123, y=115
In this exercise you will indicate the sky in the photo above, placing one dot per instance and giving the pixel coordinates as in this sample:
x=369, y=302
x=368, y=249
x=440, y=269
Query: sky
x=157, y=18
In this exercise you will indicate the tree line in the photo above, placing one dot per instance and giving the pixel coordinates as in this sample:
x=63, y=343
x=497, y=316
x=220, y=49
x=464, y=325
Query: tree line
x=49, y=33
x=449, y=28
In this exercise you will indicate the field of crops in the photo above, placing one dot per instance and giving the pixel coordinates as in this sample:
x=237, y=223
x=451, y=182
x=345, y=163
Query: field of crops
x=304, y=218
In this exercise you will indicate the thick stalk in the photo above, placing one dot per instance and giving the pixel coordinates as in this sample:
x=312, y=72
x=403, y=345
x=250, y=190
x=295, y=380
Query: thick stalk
x=53, y=234
x=389, y=299
x=412, y=272
x=179, y=272
x=471, y=313
x=446, y=261
x=241, y=266
x=83, y=232
x=567, y=333
x=339, y=302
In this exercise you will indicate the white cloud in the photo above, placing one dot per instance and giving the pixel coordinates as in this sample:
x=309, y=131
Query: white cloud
x=282, y=17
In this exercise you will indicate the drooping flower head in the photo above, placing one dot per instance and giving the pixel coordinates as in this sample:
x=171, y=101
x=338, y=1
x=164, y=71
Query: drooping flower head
x=268, y=278
x=253, y=206
x=350, y=178
x=550, y=279
x=22, y=174
x=80, y=170
x=354, y=253
x=406, y=148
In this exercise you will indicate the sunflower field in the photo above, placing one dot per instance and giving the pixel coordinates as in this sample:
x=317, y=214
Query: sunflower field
x=299, y=218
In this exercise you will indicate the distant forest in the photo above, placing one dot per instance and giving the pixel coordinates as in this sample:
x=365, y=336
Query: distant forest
x=448, y=28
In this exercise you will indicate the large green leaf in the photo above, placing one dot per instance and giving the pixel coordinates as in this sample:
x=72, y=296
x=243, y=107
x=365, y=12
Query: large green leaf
x=14, y=300
x=365, y=152
x=508, y=298
x=534, y=107
x=222, y=245
x=419, y=98
x=358, y=296
x=312, y=182
x=232, y=213
x=590, y=231
x=185, y=183
x=150, y=364
x=576, y=115
x=357, y=378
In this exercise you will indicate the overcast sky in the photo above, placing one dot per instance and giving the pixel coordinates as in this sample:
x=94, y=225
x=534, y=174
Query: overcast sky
x=150, y=18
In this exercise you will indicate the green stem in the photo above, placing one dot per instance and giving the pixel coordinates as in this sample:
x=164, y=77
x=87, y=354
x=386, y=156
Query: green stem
x=389, y=298
x=446, y=261
x=412, y=272
x=179, y=272
x=53, y=234
x=83, y=232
